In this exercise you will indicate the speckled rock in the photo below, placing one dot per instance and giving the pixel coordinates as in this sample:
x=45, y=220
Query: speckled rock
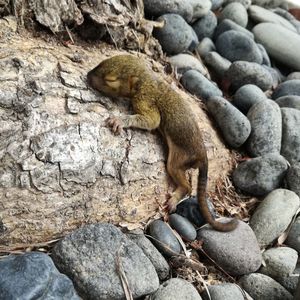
x=234, y=125
x=266, y=59
x=205, y=46
x=235, y=45
x=183, y=226
x=273, y=215
x=225, y=291
x=164, y=238
x=293, y=238
x=279, y=262
x=205, y=26
x=236, y=12
x=246, y=96
x=244, y=72
x=222, y=248
x=266, y=124
x=290, y=281
x=199, y=85
x=262, y=287
x=259, y=176
x=293, y=178
x=227, y=25
x=200, y=8
x=33, y=275
x=176, y=288
x=184, y=62
x=159, y=262
x=290, y=146
x=218, y=64
x=89, y=254
x=176, y=36
x=156, y=8
x=287, y=88
x=271, y=37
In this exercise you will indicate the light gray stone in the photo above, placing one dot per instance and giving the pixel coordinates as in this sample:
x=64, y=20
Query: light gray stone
x=246, y=3
x=217, y=63
x=237, y=251
x=236, y=12
x=262, y=287
x=266, y=124
x=293, y=238
x=271, y=36
x=200, y=8
x=203, y=48
x=290, y=281
x=273, y=215
x=184, y=62
x=293, y=178
x=293, y=75
x=287, y=88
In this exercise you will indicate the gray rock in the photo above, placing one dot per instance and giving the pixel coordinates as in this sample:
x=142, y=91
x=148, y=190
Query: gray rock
x=184, y=62
x=262, y=287
x=289, y=101
x=225, y=291
x=243, y=72
x=266, y=124
x=200, y=8
x=164, y=238
x=290, y=281
x=246, y=96
x=276, y=75
x=200, y=86
x=290, y=145
x=183, y=226
x=287, y=88
x=246, y=3
x=271, y=36
x=233, y=124
x=89, y=255
x=237, y=251
x=279, y=262
x=236, y=12
x=176, y=36
x=235, y=45
x=217, y=63
x=156, y=8
x=216, y=4
x=259, y=176
x=293, y=178
x=293, y=75
x=227, y=25
x=266, y=59
x=33, y=275
x=160, y=264
x=205, y=26
x=176, y=288
x=260, y=14
x=273, y=215
x=293, y=238
x=203, y=48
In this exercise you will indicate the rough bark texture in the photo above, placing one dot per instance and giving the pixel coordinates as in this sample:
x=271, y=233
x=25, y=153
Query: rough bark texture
x=60, y=167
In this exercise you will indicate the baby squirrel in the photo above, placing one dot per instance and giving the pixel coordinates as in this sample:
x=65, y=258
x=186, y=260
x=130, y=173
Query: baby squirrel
x=157, y=105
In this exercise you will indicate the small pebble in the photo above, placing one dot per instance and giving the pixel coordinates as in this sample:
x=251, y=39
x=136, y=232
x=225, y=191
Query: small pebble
x=287, y=88
x=205, y=46
x=273, y=215
x=236, y=12
x=200, y=8
x=218, y=64
x=205, y=26
x=293, y=75
x=183, y=226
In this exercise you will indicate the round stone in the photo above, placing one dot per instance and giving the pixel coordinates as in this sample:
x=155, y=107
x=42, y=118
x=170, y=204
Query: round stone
x=289, y=101
x=287, y=88
x=205, y=26
x=183, y=226
x=205, y=46
x=236, y=12
x=200, y=8
x=218, y=64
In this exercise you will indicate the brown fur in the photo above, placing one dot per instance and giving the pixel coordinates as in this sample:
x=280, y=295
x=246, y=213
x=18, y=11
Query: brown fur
x=157, y=106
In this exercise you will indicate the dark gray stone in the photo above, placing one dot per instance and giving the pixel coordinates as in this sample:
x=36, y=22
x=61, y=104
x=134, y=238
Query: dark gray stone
x=290, y=145
x=237, y=251
x=263, y=287
x=159, y=262
x=218, y=64
x=176, y=288
x=287, y=88
x=233, y=124
x=244, y=72
x=290, y=281
x=33, y=275
x=216, y=4
x=293, y=238
x=183, y=226
x=176, y=36
x=164, y=238
x=89, y=256
x=266, y=59
x=205, y=26
x=266, y=124
x=276, y=76
x=224, y=291
x=279, y=262
x=293, y=178
x=235, y=46
x=227, y=25
x=236, y=12
x=246, y=96
x=204, y=47
x=259, y=176
x=199, y=85
x=156, y=8
x=190, y=209
x=273, y=215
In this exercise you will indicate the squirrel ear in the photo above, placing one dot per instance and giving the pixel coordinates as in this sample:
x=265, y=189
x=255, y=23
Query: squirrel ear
x=132, y=81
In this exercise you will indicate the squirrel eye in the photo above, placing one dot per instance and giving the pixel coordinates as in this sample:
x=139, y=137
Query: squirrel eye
x=110, y=77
